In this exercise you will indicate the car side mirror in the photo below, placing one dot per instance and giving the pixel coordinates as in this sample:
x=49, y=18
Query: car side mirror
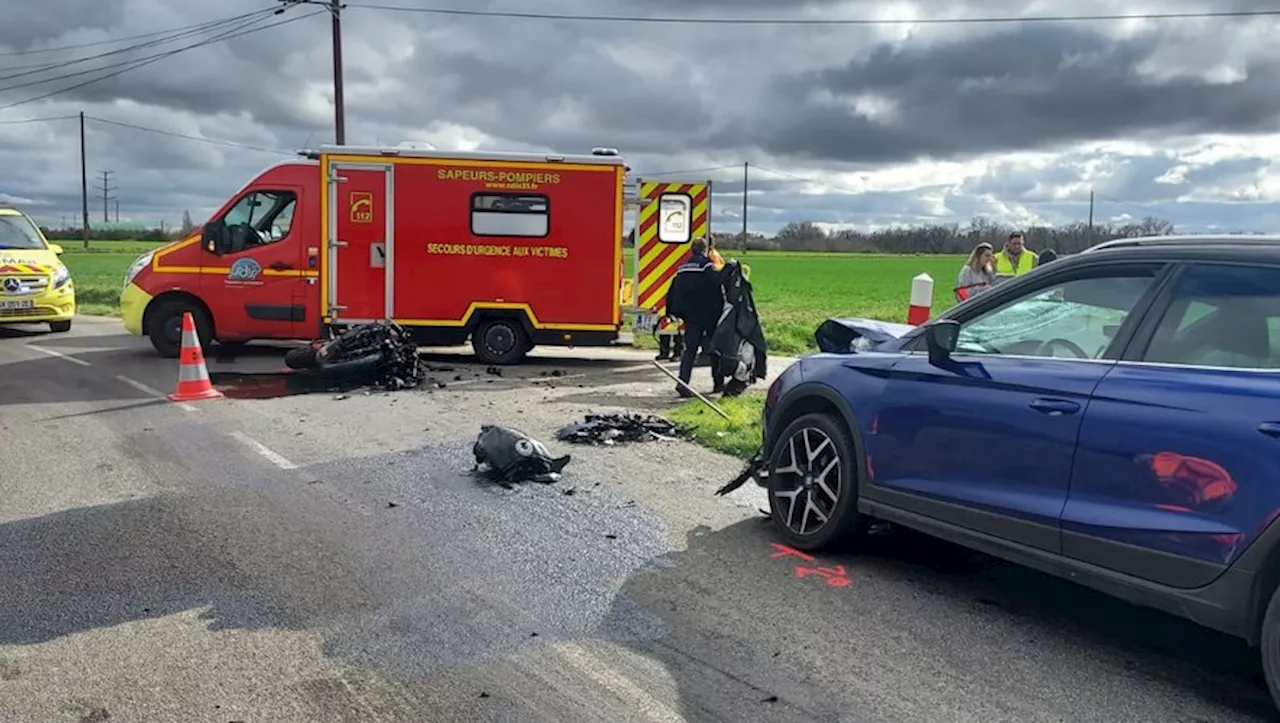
x=55, y=248
x=216, y=238
x=941, y=338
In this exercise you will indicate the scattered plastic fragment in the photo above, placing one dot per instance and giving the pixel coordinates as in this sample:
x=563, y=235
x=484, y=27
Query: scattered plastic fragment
x=757, y=468
x=610, y=429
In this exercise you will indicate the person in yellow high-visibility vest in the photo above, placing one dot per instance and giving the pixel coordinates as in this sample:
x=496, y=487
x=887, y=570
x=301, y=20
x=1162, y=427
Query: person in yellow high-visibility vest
x=1015, y=258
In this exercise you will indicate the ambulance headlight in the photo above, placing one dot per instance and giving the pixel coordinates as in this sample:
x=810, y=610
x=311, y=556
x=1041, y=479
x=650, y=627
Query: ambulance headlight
x=137, y=266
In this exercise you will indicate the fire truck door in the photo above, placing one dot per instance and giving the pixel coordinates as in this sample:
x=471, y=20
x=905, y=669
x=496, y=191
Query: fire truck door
x=361, y=238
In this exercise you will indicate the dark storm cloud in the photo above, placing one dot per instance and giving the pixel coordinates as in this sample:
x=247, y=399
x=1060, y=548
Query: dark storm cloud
x=668, y=96
x=27, y=24
x=1034, y=87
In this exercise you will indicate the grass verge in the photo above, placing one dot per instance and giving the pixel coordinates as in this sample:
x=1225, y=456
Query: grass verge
x=738, y=436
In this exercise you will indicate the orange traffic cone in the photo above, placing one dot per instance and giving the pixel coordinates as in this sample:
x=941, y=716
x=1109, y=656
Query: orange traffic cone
x=193, y=375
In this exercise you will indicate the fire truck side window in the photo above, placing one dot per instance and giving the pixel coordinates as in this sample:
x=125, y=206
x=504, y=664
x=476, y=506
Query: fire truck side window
x=259, y=218
x=510, y=214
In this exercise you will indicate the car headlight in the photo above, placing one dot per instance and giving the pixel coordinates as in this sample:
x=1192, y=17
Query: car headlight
x=137, y=266
x=61, y=277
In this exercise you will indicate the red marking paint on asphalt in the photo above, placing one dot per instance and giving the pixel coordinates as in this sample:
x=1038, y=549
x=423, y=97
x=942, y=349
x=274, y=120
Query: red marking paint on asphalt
x=836, y=576
x=784, y=551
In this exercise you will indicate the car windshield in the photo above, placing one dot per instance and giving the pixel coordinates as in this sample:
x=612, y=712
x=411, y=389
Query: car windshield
x=16, y=232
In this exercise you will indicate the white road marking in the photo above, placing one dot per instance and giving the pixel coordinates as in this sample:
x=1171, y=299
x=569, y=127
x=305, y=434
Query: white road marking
x=262, y=449
x=60, y=355
x=140, y=386
x=152, y=391
x=617, y=683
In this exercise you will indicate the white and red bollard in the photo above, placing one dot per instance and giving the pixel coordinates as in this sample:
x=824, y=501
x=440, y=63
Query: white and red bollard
x=921, y=300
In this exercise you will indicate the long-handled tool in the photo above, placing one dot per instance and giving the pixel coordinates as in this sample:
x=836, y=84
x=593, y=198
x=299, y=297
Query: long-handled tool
x=695, y=392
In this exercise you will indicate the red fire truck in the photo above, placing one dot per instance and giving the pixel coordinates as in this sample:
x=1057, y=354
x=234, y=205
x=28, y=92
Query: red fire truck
x=510, y=250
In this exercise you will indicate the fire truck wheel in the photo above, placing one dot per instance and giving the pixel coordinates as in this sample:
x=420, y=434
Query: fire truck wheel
x=500, y=341
x=164, y=326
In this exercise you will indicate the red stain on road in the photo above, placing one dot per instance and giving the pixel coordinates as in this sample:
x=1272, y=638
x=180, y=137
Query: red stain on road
x=835, y=575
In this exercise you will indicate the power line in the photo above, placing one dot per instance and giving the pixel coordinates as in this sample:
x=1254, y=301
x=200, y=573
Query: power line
x=38, y=68
x=157, y=131
x=184, y=136
x=984, y=20
x=239, y=25
x=210, y=41
x=96, y=43
x=20, y=121
x=792, y=176
x=686, y=171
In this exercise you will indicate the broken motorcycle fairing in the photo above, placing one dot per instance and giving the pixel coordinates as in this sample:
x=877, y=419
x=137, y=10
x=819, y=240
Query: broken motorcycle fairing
x=610, y=429
x=738, y=343
x=381, y=352
x=512, y=456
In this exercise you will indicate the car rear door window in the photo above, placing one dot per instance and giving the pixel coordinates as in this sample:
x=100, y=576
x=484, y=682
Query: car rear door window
x=1221, y=315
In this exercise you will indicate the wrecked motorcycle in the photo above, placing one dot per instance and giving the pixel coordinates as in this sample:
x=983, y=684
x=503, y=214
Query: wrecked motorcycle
x=382, y=352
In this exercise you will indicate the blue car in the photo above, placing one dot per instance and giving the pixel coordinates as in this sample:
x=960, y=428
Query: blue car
x=1112, y=418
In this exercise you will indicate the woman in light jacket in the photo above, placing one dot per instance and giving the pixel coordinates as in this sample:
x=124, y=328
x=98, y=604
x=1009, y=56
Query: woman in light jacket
x=978, y=273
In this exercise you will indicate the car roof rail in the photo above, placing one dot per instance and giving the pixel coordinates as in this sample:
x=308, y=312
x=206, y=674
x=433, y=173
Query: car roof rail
x=1188, y=240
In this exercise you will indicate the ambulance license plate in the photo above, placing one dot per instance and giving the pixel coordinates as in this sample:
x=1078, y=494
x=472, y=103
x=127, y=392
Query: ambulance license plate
x=646, y=322
x=23, y=304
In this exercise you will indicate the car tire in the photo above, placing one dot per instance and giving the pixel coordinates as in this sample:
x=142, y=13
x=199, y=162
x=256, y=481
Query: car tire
x=164, y=327
x=60, y=327
x=500, y=341
x=1269, y=646
x=795, y=482
x=303, y=357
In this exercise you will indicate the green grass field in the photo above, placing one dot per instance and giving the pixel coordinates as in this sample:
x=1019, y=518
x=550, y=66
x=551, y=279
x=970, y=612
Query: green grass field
x=794, y=291
x=99, y=271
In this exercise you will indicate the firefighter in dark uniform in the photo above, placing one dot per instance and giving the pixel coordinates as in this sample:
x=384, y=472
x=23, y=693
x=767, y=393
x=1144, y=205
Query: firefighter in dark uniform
x=696, y=296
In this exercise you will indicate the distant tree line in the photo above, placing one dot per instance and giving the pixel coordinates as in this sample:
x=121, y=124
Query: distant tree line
x=805, y=236
x=942, y=238
x=163, y=233
x=802, y=236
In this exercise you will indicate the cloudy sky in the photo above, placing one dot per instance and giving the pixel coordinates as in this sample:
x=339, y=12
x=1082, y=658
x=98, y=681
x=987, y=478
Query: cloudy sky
x=861, y=125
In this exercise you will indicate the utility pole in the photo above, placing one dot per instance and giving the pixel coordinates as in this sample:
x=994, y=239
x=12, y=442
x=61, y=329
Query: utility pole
x=744, y=207
x=339, y=104
x=84, y=188
x=106, y=188
x=117, y=210
x=1090, y=215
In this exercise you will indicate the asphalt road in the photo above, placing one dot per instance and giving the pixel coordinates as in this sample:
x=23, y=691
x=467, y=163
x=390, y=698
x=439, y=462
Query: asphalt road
x=307, y=558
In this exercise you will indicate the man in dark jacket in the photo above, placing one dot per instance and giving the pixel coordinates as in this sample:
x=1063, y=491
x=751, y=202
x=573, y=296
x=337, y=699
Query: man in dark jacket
x=696, y=296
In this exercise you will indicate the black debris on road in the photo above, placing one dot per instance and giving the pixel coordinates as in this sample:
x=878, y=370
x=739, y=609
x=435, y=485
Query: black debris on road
x=757, y=468
x=509, y=456
x=610, y=429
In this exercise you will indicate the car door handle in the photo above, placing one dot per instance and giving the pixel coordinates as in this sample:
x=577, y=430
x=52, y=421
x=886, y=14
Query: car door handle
x=1271, y=429
x=281, y=266
x=1054, y=407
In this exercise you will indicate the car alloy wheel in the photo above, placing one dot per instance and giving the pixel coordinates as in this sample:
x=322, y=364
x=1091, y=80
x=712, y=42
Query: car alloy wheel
x=806, y=486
